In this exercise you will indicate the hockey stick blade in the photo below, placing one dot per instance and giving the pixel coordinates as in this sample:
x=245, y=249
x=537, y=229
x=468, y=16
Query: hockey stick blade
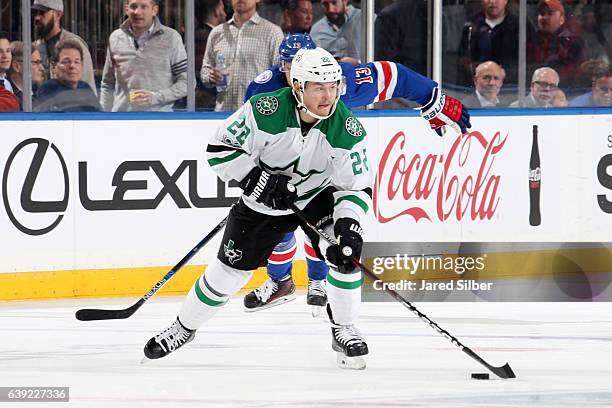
x=502, y=372
x=103, y=314
x=106, y=314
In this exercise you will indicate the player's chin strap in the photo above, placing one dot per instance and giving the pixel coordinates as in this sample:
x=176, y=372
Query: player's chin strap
x=302, y=107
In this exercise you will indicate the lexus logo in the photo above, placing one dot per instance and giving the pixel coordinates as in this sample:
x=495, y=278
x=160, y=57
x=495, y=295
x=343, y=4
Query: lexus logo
x=27, y=203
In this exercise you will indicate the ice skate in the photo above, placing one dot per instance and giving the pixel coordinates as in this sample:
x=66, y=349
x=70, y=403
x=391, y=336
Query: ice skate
x=167, y=341
x=316, y=297
x=349, y=345
x=271, y=293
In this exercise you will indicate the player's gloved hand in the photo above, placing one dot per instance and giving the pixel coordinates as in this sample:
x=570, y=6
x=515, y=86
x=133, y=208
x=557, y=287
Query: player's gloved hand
x=443, y=110
x=272, y=190
x=349, y=235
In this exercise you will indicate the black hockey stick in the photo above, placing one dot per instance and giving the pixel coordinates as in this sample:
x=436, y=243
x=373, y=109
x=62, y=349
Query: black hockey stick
x=105, y=314
x=502, y=372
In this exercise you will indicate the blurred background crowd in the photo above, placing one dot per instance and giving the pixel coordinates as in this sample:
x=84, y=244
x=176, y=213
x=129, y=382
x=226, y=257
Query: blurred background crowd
x=135, y=55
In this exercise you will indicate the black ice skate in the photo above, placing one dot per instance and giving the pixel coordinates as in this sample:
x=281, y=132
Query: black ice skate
x=349, y=345
x=317, y=296
x=270, y=293
x=168, y=340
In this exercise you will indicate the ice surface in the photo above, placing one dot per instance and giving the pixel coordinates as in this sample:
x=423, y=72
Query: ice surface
x=282, y=357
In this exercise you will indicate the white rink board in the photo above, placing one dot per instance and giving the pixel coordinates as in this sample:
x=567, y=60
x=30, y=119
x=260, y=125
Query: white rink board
x=113, y=220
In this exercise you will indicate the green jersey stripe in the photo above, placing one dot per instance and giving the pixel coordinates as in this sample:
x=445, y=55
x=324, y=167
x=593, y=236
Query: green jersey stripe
x=355, y=200
x=220, y=160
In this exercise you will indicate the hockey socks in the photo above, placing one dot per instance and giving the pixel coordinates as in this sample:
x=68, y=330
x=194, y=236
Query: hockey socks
x=344, y=295
x=204, y=300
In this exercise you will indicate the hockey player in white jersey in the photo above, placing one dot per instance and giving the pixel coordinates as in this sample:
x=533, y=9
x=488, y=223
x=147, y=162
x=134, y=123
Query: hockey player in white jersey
x=296, y=145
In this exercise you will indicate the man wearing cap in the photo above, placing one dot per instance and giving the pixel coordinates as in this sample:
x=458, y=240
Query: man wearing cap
x=554, y=45
x=47, y=25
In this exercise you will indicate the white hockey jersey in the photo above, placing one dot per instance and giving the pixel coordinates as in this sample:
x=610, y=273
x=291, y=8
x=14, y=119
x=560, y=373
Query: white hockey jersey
x=266, y=132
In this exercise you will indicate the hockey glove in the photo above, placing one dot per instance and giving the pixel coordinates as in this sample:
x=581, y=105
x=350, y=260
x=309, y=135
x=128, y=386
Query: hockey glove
x=349, y=235
x=272, y=190
x=443, y=110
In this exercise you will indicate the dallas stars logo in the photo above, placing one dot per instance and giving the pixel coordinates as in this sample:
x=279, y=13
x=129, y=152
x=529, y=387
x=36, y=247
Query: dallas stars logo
x=231, y=254
x=353, y=127
x=267, y=105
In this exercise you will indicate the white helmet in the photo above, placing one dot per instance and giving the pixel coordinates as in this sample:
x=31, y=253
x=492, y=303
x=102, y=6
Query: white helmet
x=314, y=65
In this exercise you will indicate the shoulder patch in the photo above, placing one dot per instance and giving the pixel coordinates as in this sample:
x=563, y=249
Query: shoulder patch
x=263, y=77
x=267, y=105
x=353, y=126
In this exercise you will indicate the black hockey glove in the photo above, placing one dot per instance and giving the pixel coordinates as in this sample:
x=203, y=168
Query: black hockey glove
x=349, y=235
x=272, y=190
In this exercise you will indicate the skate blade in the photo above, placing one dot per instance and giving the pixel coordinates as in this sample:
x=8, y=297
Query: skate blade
x=350, y=363
x=145, y=360
x=279, y=301
x=316, y=311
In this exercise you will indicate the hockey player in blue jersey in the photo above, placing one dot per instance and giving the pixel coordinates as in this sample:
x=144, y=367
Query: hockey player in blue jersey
x=364, y=84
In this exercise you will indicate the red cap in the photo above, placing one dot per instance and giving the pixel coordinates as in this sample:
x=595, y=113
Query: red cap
x=553, y=5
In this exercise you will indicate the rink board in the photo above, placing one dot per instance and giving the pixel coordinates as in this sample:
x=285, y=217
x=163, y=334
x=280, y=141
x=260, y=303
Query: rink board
x=97, y=207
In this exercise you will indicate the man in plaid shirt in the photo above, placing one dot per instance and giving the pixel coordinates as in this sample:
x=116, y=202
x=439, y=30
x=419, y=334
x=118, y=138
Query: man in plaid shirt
x=249, y=45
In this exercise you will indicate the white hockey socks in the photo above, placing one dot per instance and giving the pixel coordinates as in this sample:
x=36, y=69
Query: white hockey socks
x=344, y=295
x=211, y=291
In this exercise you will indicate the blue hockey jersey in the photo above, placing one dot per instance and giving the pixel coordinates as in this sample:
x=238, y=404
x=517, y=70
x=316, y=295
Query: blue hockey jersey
x=365, y=83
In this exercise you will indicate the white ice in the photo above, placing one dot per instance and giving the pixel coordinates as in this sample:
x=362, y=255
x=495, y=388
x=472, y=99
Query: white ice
x=281, y=357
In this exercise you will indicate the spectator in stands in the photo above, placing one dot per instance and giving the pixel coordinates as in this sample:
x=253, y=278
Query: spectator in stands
x=47, y=28
x=596, y=24
x=544, y=88
x=297, y=16
x=8, y=101
x=560, y=100
x=146, y=63
x=400, y=34
x=15, y=74
x=339, y=32
x=555, y=46
x=214, y=14
x=5, y=60
x=488, y=80
x=248, y=45
x=601, y=90
x=66, y=92
x=492, y=35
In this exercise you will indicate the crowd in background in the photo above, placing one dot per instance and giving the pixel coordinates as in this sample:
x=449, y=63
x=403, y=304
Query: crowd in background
x=143, y=63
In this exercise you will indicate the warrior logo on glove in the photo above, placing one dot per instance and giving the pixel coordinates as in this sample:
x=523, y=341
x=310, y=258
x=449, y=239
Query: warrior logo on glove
x=272, y=190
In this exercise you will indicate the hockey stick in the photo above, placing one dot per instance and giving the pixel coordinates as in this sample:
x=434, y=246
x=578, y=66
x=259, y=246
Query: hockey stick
x=502, y=372
x=105, y=314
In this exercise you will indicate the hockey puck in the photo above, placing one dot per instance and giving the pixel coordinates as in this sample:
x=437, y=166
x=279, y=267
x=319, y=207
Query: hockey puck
x=480, y=376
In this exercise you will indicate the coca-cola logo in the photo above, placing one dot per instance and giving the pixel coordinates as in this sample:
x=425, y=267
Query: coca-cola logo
x=535, y=176
x=461, y=183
